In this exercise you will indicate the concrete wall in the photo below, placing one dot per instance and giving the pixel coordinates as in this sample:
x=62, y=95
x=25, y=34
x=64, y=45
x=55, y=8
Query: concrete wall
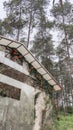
x=17, y=115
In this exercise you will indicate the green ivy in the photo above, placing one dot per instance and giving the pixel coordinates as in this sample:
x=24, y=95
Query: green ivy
x=40, y=81
x=3, y=92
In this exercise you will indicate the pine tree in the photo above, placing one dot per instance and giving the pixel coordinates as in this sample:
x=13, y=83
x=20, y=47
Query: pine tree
x=1, y=28
x=23, y=16
x=43, y=45
x=15, y=20
x=63, y=19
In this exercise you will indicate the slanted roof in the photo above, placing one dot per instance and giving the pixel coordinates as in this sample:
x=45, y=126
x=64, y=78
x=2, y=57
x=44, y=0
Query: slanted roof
x=32, y=60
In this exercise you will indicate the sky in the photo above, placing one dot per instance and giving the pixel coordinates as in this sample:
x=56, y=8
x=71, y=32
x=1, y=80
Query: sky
x=2, y=13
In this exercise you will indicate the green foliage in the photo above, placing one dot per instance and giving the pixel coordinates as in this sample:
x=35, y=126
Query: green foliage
x=65, y=123
x=58, y=11
x=3, y=92
x=42, y=43
x=63, y=22
x=69, y=109
x=22, y=15
x=40, y=81
x=15, y=21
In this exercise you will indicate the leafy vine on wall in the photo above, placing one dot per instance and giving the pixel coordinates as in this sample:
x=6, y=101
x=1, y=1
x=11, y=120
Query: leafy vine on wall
x=40, y=81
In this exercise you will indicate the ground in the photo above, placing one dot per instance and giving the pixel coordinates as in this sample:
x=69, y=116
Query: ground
x=65, y=123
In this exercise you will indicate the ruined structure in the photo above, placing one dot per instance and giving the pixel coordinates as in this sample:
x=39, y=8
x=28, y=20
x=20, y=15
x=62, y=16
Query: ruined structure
x=24, y=89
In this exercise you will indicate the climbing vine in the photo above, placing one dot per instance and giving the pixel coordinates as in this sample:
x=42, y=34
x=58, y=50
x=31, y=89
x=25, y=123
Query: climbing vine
x=3, y=92
x=40, y=81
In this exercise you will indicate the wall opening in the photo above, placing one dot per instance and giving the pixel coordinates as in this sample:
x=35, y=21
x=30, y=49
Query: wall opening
x=9, y=91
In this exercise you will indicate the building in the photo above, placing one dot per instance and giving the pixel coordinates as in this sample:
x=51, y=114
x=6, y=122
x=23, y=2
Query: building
x=24, y=84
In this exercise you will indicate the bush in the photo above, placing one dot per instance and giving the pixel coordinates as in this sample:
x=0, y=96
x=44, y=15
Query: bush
x=69, y=109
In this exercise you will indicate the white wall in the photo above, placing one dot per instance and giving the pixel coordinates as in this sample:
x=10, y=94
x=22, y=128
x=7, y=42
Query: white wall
x=13, y=64
x=15, y=83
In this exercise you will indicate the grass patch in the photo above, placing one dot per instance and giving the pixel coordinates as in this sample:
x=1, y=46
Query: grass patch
x=65, y=123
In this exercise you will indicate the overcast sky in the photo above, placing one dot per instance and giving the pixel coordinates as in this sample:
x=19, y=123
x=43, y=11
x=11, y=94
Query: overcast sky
x=2, y=13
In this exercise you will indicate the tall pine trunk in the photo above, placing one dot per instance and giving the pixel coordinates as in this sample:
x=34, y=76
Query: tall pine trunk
x=18, y=30
x=29, y=29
